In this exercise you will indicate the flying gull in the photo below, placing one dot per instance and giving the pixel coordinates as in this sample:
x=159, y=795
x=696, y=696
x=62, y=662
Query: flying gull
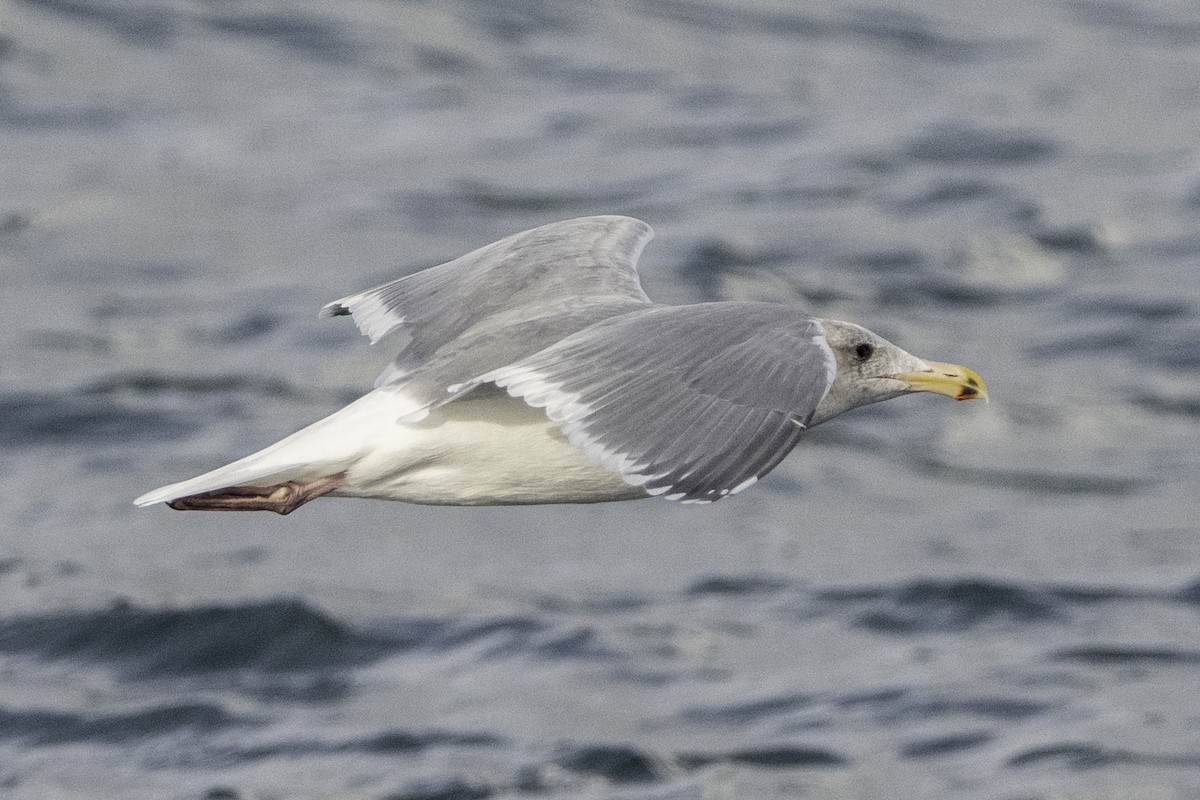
x=536, y=370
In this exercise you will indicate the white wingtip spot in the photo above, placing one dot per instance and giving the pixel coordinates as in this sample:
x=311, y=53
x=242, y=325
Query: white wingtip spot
x=746, y=484
x=374, y=319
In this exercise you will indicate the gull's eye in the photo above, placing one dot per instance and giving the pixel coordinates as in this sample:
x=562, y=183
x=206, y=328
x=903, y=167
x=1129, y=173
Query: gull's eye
x=863, y=351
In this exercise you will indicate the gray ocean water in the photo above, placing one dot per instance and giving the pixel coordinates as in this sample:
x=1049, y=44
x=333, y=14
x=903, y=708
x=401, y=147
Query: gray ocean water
x=926, y=600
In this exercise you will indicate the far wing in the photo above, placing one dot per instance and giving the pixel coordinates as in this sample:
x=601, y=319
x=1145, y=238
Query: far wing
x=691, y=402
x=534, y=274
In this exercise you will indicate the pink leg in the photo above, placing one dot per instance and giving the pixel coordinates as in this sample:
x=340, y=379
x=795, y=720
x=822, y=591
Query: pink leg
x=282, y=498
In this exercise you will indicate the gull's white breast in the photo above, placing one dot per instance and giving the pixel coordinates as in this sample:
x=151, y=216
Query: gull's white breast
x=484, y=449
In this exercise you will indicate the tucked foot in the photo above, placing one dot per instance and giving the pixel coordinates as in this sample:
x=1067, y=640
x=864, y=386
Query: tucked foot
x=282, y=498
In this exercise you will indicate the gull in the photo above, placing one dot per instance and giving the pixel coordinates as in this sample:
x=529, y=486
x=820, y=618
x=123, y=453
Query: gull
x=537, y=370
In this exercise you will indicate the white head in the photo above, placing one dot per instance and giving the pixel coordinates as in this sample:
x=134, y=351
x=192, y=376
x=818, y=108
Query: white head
x=871, y=369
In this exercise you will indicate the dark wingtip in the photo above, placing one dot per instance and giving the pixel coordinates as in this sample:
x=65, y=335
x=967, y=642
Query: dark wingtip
x=333, y=310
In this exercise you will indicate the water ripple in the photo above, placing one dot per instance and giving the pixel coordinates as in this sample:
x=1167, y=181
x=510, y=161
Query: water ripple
x=952, y=605
x=45, y=727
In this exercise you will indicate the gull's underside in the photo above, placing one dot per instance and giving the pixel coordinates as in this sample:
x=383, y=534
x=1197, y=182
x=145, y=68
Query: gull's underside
x=536, y=370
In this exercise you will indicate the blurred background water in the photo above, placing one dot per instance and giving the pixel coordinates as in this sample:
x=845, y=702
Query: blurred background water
x=925, y=600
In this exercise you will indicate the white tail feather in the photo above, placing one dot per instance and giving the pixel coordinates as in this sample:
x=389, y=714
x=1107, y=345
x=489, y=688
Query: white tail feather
x=326, y=447
x=244, y=472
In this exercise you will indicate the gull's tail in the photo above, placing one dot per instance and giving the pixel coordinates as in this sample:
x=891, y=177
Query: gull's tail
x=329, y=446
x=258, y=469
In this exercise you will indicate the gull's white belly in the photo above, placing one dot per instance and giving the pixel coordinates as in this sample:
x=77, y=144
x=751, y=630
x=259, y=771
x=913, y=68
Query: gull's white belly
x=484, y=449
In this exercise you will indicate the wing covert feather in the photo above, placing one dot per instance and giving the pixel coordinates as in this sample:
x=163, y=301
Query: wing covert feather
x=693, y=402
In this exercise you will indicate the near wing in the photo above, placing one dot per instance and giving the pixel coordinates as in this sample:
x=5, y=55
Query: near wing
x=539, y=273
x=691, y=402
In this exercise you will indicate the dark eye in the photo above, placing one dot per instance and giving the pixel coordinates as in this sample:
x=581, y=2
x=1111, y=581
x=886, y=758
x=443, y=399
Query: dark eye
x=863, y=351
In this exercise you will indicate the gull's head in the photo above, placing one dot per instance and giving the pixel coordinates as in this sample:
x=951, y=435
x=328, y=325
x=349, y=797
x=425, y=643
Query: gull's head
x=871, y=369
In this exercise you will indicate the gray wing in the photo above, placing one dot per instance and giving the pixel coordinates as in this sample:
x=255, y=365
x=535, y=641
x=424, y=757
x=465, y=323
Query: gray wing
x=455, y=363
x=691, y=402
x=536, y=274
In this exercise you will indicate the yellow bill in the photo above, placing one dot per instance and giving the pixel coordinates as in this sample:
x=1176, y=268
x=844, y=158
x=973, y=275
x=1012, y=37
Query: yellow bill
x=948, y=379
